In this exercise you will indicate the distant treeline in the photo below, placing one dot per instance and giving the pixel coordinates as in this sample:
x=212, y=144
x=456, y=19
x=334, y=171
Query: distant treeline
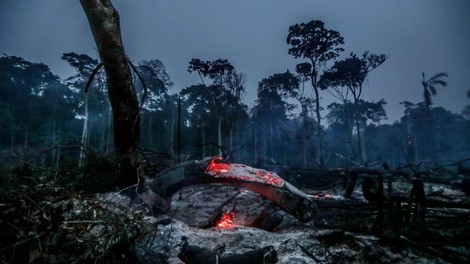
x=39, y=110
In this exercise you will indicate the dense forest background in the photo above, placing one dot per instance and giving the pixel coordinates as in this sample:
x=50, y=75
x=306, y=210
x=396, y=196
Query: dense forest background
x=54, y=118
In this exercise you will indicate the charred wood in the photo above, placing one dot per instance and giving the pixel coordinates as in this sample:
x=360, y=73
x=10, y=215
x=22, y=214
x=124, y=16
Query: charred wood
x=267, y=220
x=199, y=255
x=212, y=221
x=216, y=171
x=466, y=186
x=370, y=191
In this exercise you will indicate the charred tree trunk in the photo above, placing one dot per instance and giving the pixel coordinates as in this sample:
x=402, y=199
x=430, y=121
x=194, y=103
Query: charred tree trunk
x=417, y=195
x=379, y=223
x=104, y=23
x=351, y=184
x=219, y=135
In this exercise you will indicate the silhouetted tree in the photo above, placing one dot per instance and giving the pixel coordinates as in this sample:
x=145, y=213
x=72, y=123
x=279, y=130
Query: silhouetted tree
x=28, y=93
x=199, y=103
x=271, y=109
x=429, y=87
x=88, y=105
x=225, y=91
x=466, y=110
x=345, y=78
x=314, y=42
x=361, y=111
x=157, y=82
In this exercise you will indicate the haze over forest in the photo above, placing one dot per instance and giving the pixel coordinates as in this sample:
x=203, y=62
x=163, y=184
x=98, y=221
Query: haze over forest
x=419, y=36
x=392, y=81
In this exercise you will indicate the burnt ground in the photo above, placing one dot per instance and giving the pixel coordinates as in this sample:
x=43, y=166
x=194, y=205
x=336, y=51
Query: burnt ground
x=48, y=224
x=343, y=230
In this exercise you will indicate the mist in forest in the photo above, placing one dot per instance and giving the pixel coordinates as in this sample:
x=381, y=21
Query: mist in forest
x=393, y=89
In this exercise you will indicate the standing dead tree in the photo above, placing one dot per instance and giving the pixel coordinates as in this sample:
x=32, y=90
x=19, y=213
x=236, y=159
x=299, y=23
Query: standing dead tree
x=104, y=23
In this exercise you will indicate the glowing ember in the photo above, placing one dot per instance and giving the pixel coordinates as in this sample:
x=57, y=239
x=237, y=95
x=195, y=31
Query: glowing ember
x=226, y=221
x=217, y=167
x=220, y=169
x=322, y=196
x=270, y=178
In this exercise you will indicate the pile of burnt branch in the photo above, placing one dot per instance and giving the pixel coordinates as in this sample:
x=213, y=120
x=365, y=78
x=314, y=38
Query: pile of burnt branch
x=46, y=223
x=427, y=209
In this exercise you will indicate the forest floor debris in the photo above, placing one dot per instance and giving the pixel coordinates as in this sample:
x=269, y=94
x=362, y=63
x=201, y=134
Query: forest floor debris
x=46, y=223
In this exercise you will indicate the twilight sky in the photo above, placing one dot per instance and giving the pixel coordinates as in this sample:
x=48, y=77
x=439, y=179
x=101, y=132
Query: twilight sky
x=418, y=36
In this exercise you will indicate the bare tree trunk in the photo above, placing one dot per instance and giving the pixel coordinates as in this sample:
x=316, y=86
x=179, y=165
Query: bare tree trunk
x=317, y=111
x=431, y=135
x=256, y=142
x=108, y=131
x=84, y=139
x=178, y=130
x=359, y=142
x=54, y=137
x=150, y=131
x=265, y=143
x=219, y=134
x=171, y=137
x=271, y=135
x=231, y=135
x=203, y=141
x=104, y=23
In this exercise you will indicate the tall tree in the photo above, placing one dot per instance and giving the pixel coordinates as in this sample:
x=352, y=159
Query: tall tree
x=104, y=22
x=314, y=42
x=362, y=111
x=24, y=86
x=83, y=65
x=345, y=78
x=429, y=86
x=270, y=111
x=157, y=82
x=199, y=103
x=225, y=91
x=466, y=110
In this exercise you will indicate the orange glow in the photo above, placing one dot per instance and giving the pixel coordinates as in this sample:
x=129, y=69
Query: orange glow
x=226, y=221
x=322, y=196
x=270, y=178
x=218, y=167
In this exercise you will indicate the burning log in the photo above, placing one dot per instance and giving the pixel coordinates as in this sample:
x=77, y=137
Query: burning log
x=215, y=171
x=198, y=255
x=219, y=217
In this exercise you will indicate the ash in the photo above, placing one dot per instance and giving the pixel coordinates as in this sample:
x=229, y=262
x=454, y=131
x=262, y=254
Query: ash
x=294, y=242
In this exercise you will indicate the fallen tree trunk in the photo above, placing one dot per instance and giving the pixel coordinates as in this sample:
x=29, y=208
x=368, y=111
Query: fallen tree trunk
x=216, y=171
